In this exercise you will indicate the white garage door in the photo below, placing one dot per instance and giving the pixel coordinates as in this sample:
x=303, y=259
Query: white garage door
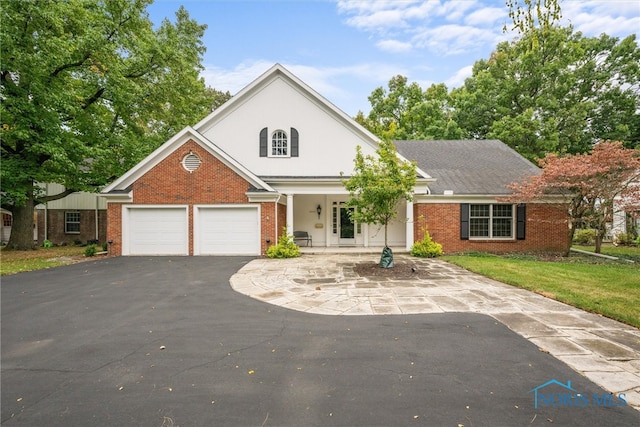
x=227, y=231
x=156, y=231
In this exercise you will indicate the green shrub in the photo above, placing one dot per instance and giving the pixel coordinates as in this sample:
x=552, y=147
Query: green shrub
x=638, y=241
x=286, y=247
x=584, y=237
x=624, y=239
x=426, y=248
x=47, y=244
x=90, y=250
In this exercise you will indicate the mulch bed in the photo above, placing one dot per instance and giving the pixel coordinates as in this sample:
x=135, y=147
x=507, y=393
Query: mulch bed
x=401, y=270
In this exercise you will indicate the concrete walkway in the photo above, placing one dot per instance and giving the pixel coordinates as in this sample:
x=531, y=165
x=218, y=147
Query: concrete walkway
x=605, y=351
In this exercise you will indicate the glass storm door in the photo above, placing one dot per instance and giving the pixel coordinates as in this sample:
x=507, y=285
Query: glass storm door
x=347, y=227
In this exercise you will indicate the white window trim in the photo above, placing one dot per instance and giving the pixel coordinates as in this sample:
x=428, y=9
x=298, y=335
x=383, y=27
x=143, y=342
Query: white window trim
x=271, y=146
x=67, y=222
x=490, y=219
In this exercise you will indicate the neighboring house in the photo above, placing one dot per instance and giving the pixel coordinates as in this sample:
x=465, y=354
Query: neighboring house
x=270, y=159
x=622, y=222
x=5, y=226
x=78, y=217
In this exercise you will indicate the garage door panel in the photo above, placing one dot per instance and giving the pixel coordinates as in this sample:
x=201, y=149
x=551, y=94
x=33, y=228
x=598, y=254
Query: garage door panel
x=157, y=231
x=228, y=231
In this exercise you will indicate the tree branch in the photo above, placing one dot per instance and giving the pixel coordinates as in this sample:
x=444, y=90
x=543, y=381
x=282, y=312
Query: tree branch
x=72, y=65
x=53, y=197
x=92, y=99
x=6, y=147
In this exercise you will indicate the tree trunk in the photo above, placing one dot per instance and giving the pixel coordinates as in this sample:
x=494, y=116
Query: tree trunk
x=21, y=238
x=386, y=259
x=570, y=234
x=598, y=243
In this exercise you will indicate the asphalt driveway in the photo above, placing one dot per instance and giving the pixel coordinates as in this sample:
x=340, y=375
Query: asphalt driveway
x=166, y=341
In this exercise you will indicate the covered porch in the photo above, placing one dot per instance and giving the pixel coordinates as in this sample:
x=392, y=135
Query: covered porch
x=326, y=219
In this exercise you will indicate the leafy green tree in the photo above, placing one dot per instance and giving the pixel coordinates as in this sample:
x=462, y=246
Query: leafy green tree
x=379, y=184
x=533, y=15
x=88, y=89
x=404, y=112
x=560, y=97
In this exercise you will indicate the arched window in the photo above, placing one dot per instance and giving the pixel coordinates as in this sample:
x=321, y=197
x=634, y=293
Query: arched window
x=279, y=144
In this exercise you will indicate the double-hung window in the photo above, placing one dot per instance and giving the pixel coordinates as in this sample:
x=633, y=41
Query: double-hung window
x=491, y=221
x=72, y=222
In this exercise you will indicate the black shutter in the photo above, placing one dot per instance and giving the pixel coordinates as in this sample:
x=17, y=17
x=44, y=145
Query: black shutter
x=464, y=221
x=521, y=224
x=294, y=142
x=263, y=142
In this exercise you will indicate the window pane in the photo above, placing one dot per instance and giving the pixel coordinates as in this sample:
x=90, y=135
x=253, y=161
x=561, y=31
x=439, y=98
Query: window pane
x=502, y=227
x=72, y=222
x=478, y=227
x=279, y=144
x=479, y=210
x=504, y=211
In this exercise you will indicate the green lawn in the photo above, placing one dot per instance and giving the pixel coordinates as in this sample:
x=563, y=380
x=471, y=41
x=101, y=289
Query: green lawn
x=12, y=262
x=604, y=287
x=627, y=252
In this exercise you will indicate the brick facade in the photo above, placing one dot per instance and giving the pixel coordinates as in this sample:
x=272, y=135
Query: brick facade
x=169, y=183
x=55, y=231
x=546, y=230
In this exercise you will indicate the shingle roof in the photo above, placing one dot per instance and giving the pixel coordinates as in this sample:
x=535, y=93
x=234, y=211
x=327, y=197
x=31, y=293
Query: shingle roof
x=468, y=166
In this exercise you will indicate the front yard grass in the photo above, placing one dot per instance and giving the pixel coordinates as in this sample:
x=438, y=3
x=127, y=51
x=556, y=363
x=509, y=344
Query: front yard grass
x=609, y=288
x=626, y=252
x=12, y=262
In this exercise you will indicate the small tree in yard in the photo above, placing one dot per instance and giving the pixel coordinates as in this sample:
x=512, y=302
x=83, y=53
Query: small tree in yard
x=589, y=184
x=377, y=186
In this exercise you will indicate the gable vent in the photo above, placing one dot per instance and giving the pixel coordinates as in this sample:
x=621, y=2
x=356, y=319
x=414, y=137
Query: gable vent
x=191, y=162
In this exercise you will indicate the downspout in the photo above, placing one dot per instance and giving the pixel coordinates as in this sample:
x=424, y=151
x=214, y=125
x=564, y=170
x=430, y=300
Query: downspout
x=46, y=215
x=275, y=210
x=97, y=216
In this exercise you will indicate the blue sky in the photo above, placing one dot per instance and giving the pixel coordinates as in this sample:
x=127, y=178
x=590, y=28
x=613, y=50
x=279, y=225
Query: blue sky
x=344, y=49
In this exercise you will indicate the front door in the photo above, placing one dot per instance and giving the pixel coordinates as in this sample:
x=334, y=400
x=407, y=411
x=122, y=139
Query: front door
x=346, y=225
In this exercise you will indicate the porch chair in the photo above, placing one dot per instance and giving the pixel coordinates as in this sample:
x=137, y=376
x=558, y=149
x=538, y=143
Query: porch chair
x=302, y=236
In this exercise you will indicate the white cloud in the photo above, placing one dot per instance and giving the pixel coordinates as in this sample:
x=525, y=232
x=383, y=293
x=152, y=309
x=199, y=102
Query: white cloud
x=455, y=39
x=324, y=80
x=237, y=78
x=454, y=11
x=454, y=27
x=449, y=27
x=592, y=18
x=394, y=46
x=381, y=16
x=486, y=17
x=459, y=77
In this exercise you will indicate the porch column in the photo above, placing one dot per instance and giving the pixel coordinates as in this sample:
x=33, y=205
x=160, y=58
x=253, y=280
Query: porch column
x=409, y=225
x=289, y=214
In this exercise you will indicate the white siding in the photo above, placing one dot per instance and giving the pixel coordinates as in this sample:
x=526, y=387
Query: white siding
x=327, y=144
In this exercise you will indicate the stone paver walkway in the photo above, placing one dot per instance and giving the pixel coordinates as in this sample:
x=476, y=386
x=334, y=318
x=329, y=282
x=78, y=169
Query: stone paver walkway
x=605, y=351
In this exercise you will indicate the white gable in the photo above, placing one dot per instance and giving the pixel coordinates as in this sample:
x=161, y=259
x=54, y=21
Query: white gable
x=279, y=101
